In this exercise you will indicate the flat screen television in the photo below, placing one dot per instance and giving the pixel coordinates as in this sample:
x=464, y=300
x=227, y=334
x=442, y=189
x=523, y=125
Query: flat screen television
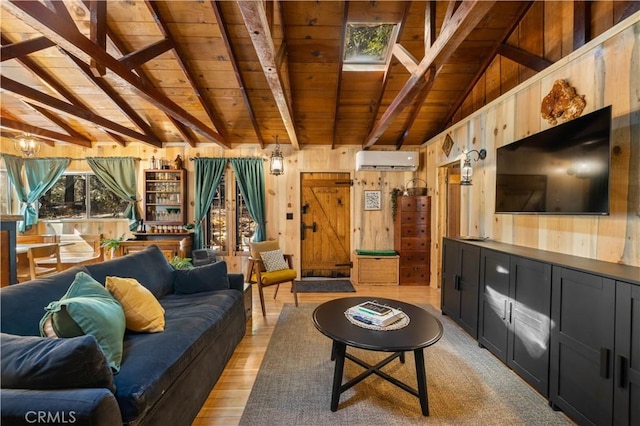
x=561, y=170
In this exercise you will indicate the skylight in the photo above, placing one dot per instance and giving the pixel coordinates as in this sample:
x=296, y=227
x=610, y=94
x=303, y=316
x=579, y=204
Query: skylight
x=367, y=46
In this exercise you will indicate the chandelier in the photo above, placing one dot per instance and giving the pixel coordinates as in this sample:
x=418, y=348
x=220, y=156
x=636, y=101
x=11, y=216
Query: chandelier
x=277, y=161
x=27, y=144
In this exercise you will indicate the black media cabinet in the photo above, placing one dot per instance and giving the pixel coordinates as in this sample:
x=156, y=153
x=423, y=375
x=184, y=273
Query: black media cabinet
x=568, y=325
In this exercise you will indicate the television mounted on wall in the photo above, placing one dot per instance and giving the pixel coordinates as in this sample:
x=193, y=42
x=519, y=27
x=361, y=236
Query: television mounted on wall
x=561, y=170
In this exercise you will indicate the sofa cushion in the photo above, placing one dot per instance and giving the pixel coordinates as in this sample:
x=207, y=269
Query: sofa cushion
x=30, y=362
x=21, y=305
x=148, y=266
x=201, y=278
x=142, y=310
x=90, y=306
x=192, y=322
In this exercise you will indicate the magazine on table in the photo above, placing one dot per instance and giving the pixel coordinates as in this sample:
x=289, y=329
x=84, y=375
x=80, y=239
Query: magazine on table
x=373, y=313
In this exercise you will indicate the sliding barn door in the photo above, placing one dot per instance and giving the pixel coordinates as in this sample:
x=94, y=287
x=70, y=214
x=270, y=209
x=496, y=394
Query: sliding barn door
x=324, y=224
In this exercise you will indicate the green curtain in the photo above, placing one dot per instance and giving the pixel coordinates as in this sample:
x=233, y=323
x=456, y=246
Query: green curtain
x=119, y=175
x=41, y=174
x=250, y=177
x=209, y=173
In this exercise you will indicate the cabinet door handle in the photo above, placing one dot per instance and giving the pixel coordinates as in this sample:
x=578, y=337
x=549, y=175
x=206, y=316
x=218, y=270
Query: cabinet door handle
x=604, y=363
x=456, y=283
x=510, y=312
x=504, y=310
x=623, y=365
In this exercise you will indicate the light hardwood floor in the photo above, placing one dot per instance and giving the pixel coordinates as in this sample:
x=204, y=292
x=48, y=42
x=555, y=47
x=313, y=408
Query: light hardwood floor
x=228, y=398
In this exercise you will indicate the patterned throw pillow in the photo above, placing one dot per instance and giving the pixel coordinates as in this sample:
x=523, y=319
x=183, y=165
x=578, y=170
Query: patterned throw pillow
x=274, y=260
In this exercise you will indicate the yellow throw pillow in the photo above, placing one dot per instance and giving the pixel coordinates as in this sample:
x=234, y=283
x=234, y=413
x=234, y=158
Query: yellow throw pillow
x=142, y=310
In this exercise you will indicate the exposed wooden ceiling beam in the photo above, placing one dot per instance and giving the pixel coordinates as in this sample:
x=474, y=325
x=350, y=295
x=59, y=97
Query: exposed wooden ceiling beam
x=9, y=123
x=523, y=57
x=524, y=8
x=115, y=97
x=343, y=33
x=23, y=48
x=429, y=38
x=387, y=71
x=186, y=69
x=79, y=112
x=581, y=23
x=458, y=27
x=144, y=55
x=58, y=121
x=185, y=131
x=226, y=38
x=98, y=32
x=255, y=19
x=405, y=58
x=46, y=22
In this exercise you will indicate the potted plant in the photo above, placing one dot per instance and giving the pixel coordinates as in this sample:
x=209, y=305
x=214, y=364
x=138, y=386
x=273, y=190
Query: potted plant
x=111, y=245
x=181, y=263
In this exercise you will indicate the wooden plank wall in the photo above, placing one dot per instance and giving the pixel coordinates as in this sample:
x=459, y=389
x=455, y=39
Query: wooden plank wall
x=369, y=229
x=605, y=70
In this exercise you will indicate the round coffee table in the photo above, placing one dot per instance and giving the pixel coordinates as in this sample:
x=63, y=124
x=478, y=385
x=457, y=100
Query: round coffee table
x=423, y=330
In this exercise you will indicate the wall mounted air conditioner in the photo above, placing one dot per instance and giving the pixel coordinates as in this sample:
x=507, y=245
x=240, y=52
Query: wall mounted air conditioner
x=387, y=161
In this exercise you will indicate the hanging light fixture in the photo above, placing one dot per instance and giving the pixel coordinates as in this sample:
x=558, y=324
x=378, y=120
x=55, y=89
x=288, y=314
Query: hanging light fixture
x=277, y=161
x=27, y=144
x=467, y=170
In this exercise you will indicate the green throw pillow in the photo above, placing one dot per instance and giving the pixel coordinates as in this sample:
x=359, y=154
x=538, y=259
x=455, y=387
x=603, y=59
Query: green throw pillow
x=89, y=307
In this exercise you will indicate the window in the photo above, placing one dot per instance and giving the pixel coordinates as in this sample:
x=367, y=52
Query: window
x=367, y=46
x=234, y=224
x=79, y=196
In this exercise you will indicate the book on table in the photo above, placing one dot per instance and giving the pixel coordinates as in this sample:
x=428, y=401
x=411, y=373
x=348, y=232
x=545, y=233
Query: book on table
x=375, y=314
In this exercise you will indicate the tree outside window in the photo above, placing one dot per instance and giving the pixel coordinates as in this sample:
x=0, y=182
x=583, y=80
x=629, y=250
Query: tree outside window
x=78, y=196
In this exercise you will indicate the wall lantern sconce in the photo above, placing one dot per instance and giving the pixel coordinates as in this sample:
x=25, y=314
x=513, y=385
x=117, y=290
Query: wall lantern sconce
x=277, y=161
x=467, y=170
x=27, y=144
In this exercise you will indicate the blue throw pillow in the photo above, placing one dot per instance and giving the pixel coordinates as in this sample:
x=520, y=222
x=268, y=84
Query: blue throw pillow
x=89, y=308
x=30, y=362
x=202, y=278
x=149, y=267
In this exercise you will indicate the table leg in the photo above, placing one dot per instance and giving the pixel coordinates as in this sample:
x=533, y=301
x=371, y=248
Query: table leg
x=339, y=352
x=333, y=350
x=421, y=377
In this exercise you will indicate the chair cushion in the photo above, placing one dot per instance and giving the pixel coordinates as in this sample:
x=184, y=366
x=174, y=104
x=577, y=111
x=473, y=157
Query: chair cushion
x=203, y=278
x=278, y=276
x=142, y=310
x=93, y=309
x=273, y=260
x=30, y=362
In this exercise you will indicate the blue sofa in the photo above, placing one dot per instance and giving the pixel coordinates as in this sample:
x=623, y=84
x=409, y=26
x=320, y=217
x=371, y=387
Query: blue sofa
x=164, y=377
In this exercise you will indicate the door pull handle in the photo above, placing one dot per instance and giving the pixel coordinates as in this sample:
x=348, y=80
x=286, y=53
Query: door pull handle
x=623, y=366
x=604, y=362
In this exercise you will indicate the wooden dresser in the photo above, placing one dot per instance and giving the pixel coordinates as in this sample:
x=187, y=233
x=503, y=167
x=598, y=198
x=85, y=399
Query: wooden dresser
x=412, y=239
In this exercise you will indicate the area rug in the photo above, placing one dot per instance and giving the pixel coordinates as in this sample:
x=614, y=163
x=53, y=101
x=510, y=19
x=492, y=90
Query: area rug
x=466, y=384
x=325, y=286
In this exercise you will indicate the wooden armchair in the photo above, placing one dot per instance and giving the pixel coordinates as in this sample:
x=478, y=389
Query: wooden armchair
x=258, y=271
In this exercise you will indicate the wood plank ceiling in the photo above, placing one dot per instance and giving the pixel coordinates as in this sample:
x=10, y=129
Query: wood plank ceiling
x=235, y=73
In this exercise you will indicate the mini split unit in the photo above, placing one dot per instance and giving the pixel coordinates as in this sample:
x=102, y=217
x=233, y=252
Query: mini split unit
x=387, y=161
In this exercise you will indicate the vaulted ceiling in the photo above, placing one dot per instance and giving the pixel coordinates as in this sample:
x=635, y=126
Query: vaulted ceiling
x=242, y=72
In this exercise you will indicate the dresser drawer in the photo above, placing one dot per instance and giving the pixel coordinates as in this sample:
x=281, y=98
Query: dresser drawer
x=415, y=218
x=414, y=244
x=414, y=203
x=414, y=275
x=414, y=258
x=417, y=231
